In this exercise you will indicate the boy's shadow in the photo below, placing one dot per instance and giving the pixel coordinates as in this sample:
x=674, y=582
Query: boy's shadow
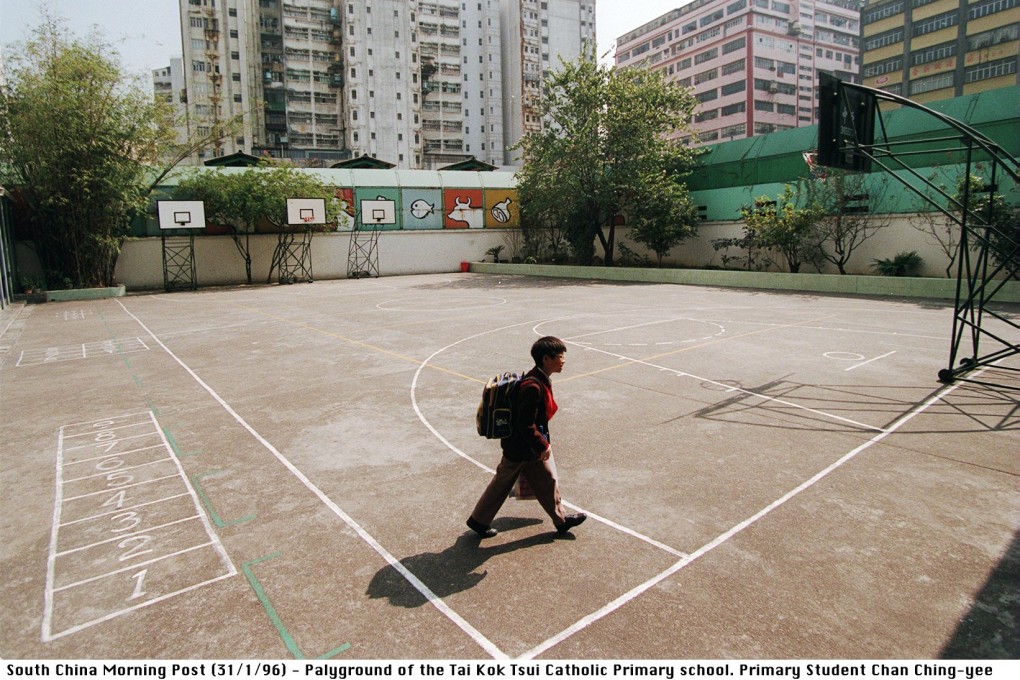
x=452, y=570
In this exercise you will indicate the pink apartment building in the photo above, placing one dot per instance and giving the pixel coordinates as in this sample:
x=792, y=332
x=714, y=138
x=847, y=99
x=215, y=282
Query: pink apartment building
x=753, y=64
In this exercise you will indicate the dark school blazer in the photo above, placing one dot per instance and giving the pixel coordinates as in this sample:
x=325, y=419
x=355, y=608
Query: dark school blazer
x=533, y=407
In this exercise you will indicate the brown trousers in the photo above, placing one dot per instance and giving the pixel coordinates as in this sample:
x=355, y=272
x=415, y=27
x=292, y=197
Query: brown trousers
x=539, y=475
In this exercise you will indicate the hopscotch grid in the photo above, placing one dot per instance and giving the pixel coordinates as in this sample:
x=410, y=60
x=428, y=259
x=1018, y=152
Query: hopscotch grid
x=128, y=534
x=126, y=486
x=112, y=455
x=120, y=510
x=107, y=473
x=50, y=355
x=59, y=499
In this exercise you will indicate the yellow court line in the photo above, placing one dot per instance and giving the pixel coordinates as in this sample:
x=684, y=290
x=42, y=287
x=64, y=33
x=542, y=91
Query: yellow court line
x=689, y=348
x=381, y=350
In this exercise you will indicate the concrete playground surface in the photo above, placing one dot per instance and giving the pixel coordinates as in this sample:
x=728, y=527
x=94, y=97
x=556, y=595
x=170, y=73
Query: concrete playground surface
x=284, y=472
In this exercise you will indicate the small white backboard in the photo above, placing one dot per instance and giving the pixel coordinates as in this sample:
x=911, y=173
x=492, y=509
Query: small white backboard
x=306, y=211
x=379, y=211
x=181, y=214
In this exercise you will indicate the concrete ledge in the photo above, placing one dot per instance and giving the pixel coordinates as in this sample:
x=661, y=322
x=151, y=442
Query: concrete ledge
x=84, y=294
x=815, y=283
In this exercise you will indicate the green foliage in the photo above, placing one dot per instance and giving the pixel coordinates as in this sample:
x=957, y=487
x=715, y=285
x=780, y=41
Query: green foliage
x=994, y=219
x=606, y=140
x=902, y=264
x=76, y=138
x=784, y=227
x=495, y=251
x=666, y=218
x=257, y=197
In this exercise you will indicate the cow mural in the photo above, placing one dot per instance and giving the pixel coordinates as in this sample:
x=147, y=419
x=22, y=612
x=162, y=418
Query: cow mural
x=464, y=209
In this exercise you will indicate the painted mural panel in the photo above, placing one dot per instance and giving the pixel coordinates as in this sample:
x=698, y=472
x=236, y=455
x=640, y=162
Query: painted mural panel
x=378, y=207
x=464, y=209
x=422, y=208
x=502, y=209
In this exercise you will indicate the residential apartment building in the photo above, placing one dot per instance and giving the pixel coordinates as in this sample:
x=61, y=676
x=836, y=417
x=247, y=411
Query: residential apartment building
x=752, y=64
x=219, y=75
x=938, y=49
x=168, y=86
x=535, y=34
x=418, y=83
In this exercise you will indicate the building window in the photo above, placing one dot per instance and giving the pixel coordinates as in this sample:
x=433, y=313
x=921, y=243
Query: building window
x=936, y=82
x=879, y=13
x=983, y=9
x=734, y=88
x=735, y=45
x=990, y=69
x=882, y=39
x=880, y=67
x=935, y=23
x=933, y=53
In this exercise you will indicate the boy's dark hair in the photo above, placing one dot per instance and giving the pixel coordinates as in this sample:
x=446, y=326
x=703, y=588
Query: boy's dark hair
x=548, y=346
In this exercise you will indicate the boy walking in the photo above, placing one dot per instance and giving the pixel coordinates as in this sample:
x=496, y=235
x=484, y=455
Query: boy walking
x=527, y=451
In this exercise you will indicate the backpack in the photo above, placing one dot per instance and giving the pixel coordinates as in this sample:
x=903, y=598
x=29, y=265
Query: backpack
x=495, y=412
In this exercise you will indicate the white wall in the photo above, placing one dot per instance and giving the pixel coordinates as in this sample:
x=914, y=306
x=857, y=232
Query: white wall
x=898, y=237
x=217, y=261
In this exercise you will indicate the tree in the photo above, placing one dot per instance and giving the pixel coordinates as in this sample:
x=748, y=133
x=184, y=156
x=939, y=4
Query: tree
x=607, y=134
x=665, y=219
x=847, y=207
x=242, y=201
x=996, y=221
x=84, y=145
x=784, y=226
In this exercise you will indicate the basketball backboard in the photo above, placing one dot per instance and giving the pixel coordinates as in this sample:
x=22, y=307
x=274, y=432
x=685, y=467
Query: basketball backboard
x=306, y=211
x=379, y=211
x=181, y=214
x=846, y=121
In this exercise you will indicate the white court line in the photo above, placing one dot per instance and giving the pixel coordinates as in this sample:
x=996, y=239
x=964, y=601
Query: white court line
x=131, y=534
x=107, y=473
x=418, y=585
x=112, y=455
x=108, y=429
x=733, y=531
x=733, y=388
x=126, y=486
x=124, y=509
x=863, y=363
x=132, y=567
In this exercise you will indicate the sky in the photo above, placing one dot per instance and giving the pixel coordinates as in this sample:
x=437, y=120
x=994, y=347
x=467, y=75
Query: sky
x=147, y=33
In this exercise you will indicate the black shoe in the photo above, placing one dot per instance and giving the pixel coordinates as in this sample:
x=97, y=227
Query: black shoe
x=481, y=529
x=572, y=521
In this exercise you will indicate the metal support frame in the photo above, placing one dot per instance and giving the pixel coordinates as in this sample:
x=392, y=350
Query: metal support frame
x=293, y=257
x=987, y=256
x=363, y=254
x=179, y=263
